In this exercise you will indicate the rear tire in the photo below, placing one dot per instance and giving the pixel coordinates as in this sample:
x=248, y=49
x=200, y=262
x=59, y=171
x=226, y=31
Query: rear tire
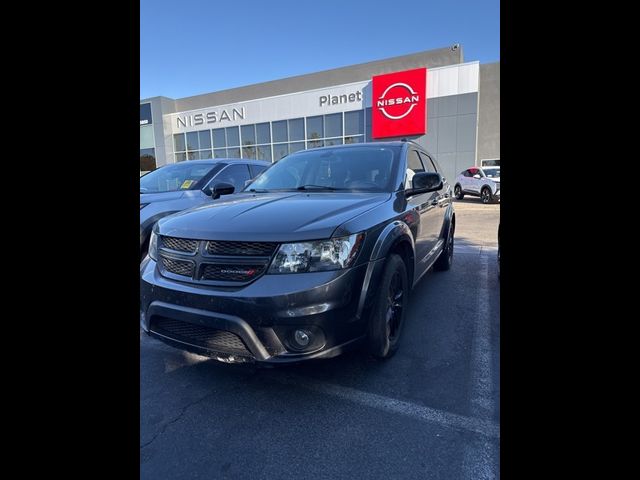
x=486, y=195
x=458, y=192
x=387, y=317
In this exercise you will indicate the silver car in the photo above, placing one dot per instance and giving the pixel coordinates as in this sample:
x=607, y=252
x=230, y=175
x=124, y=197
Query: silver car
x=176, y=187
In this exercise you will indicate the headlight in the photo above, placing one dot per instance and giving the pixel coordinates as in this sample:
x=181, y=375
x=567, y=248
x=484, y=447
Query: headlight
x=142, y=205
x=153, y=246
x=319, y=256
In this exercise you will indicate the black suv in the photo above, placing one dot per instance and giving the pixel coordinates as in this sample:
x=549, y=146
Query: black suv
x=318, y=254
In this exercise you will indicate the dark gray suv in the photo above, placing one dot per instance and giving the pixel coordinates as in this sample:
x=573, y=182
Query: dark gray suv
x=317, y=255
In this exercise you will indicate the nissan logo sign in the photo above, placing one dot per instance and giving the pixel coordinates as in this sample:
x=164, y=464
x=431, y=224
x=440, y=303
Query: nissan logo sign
x=411, y=99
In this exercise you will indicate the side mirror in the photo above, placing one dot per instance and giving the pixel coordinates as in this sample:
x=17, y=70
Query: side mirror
x=222, y=189
x=425, y=182
x=477, y=176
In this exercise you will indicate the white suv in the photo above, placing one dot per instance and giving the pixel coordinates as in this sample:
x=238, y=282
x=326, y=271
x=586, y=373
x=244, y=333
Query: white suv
x=479, y=182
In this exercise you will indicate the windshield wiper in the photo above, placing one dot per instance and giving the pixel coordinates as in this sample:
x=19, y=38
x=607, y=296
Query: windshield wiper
x=257, y=190
x=316, y=187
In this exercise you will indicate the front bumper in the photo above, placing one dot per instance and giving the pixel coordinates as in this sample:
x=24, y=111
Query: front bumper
x=331, y=306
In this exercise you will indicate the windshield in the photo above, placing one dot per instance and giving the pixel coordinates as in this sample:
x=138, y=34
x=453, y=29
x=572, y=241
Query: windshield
x=179, y=176
x=492, y=172
x=362, y=168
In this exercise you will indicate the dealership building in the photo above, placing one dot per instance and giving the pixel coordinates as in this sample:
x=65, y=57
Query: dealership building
x=450, y=107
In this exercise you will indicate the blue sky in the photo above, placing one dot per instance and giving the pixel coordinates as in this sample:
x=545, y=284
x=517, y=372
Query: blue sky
x=199, y=46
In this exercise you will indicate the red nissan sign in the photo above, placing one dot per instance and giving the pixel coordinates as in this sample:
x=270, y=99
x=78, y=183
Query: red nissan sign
x=399, y=104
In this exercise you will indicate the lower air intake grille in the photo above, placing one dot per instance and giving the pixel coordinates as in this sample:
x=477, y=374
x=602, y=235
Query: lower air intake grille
x=206, y=337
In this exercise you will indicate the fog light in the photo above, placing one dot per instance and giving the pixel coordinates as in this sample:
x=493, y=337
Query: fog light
x=301, y=338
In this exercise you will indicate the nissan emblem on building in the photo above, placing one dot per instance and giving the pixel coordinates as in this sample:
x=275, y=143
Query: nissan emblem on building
x=399, y=103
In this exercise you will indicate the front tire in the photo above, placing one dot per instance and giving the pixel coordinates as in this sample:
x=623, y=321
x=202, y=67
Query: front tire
x=387, y=317
x=486, y=195
x=446, y=257
x=458, y=192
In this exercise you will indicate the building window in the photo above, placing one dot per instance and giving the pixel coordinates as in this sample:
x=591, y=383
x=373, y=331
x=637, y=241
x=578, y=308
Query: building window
x=263, y=133
x=333, y=125
x=179, y=143
x=264, y=152
x=367, y=124
x=280, y=150
x=271, y=141
x=279, y=130
x=249, y=152
x=295, y=147
x=296, y=129
x=233, y=136
x=354, y=122
x=219, y=139
x=147, y=159
x=315, y=128
x=205, y=139
x=192, y=141
x=233, y=152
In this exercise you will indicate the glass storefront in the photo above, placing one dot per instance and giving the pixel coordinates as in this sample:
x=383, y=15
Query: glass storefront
x=273, y=140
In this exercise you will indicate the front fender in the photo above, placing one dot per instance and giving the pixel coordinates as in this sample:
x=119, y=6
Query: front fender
x=393, y=233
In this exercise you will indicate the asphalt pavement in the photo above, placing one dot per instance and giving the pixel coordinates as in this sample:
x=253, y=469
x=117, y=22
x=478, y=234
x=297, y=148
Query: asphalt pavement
x=430, y=412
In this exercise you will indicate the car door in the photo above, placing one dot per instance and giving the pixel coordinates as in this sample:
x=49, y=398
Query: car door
x=426, y=206
x=464, y=180
x=474, y=183
x=442, y=197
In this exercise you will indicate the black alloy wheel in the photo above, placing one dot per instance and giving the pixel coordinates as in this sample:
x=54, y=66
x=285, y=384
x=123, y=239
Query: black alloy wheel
x=445, y=260
x=387, y=317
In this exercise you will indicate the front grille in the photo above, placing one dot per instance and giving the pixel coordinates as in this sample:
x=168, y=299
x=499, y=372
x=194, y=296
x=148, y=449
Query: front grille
x=250, y=249
x=199, y=335
x=179, y=244
x=177, y=267
x=232, y=273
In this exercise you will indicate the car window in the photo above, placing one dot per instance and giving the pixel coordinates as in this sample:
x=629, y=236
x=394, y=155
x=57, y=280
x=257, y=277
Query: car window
x=492, y=172
x=361, y=168
x=414, y=165
x=428, y=164
x=235, y=174
x=179, y=176
x=256, y=170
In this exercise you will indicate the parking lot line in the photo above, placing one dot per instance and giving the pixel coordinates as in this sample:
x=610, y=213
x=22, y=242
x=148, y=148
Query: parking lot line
x=480, y=455
x=451, y=420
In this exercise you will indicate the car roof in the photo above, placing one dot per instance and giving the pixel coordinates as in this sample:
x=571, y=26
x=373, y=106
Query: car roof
x=212, y=161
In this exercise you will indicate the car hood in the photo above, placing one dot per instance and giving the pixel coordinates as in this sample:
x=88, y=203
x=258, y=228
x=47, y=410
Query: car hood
x=161, y=197
x=276, y=217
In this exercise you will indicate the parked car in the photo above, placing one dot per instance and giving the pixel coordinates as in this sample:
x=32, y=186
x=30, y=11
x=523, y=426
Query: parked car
x=479, y=182
x=183, y=185
x=316, y=256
